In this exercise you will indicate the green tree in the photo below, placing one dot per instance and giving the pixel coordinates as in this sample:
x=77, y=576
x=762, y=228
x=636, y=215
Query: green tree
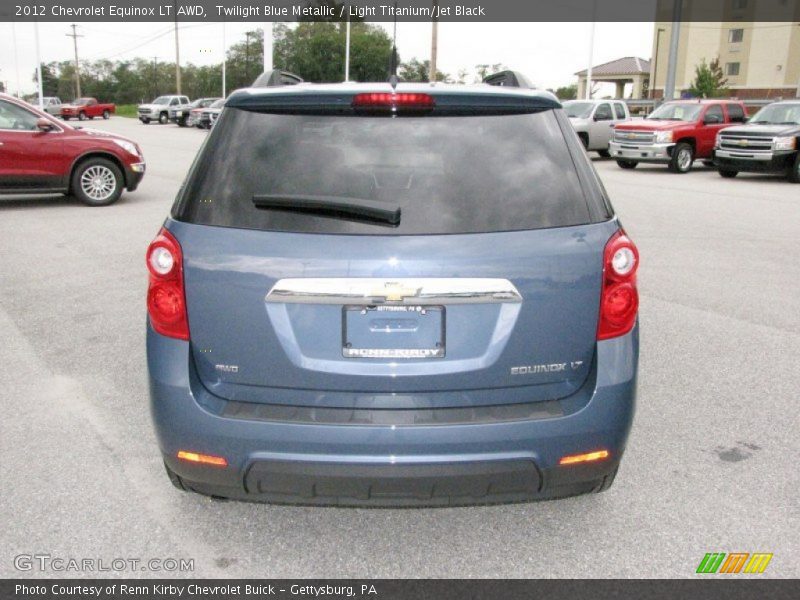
x=420, y=70
x=567, y=92
x=316, y=51
x=709, y=80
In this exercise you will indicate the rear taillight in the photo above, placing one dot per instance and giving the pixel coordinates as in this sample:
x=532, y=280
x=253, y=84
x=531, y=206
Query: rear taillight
x=619, y=300
x=166, y=300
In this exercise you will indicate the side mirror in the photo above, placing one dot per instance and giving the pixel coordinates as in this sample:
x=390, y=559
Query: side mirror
x=43, y=124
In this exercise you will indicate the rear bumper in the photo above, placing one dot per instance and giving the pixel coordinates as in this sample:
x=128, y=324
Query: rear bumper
x=286, y=460
x=756, y=162
x=653, y=153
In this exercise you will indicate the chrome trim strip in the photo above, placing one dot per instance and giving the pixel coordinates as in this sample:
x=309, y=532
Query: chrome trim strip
x=402, y=291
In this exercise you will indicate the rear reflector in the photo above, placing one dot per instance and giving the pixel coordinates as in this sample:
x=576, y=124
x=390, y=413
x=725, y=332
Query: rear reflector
x=203, y=459
x=583, y=458
x=393, y=101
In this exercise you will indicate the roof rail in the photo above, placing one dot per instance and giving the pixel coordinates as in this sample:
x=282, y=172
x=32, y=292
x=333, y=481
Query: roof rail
x=275, y=78
x=508, y=79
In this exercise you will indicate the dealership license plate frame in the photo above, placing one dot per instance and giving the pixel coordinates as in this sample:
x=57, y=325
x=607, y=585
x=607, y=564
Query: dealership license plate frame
x=431, y=318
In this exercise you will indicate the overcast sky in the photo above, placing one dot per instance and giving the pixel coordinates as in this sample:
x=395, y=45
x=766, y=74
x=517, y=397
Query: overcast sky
x=548, y=53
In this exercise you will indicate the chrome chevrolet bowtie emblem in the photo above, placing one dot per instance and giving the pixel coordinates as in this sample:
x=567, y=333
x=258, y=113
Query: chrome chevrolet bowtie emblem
x=394, y=291
x=743, y=142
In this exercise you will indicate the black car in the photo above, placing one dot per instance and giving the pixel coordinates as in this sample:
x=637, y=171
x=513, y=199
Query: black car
x=768, y=143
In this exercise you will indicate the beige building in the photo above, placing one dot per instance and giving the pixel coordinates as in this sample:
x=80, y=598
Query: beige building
x=759, y=59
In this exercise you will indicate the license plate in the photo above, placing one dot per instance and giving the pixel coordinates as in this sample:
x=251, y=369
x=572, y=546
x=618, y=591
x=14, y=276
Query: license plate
x=400, y=332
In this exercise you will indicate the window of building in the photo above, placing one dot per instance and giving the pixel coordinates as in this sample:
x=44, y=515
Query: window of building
x=732, y=69
x=735, y=36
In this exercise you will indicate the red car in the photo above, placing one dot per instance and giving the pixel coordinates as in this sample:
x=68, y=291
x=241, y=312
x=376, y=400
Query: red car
x=86, y=108
x=676, y=133
x=40, y=155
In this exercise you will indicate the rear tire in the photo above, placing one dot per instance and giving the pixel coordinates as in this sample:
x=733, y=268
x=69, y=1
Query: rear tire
x=175, y=479
x=106, y=115
x=163, y=118
x=794, y=173
x=727, y=173
x=182, y=122
x=97, y=182
x=682, y=158
x=82, y=116
x=627, y=164
x=604, y=153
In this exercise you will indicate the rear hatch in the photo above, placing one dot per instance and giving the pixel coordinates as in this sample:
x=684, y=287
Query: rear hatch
x=430, y=258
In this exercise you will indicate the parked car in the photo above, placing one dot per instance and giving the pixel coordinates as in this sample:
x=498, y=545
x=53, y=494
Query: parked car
x=180, y=114
x=87, y=108
x=410, y=295
x=768, y=143
x=594, y=121
x=676, y=133
x=39, y=154
x=52, y=105
x=209, y=115
x=158, y=109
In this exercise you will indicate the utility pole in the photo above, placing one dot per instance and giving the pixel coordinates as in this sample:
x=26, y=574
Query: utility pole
x=155, y=76
x=16, y=62
x=38, y=65
x=347, y=48
x=224, y=61
x=672, y=65
x=591, y=52
x=75, y=35
x=268, y=46
x=659, y=31
x=177, y=53
x=434, y=41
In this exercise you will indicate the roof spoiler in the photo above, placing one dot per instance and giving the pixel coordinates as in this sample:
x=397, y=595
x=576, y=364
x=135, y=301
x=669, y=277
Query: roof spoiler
x=275, y=78
x=509, y=79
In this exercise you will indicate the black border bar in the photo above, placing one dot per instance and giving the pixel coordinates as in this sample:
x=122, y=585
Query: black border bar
x=712, y=588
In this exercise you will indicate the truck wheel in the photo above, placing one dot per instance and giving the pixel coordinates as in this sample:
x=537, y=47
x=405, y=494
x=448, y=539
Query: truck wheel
x=106, y=115
x=182, y=122
x=604, y=153
x=727, y=173
x=682, y=158
x=163, y=118
x=97, y=182
x=145, y=121
x=65, y=117
x=794, y=173
x=627, y=164
x=81, y=116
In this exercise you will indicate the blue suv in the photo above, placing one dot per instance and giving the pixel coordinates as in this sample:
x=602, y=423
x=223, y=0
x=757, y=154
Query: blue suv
x=376, y=294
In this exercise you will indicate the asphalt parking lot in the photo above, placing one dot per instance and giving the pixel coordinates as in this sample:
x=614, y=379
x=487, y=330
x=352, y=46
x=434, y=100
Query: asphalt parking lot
x=711, y=464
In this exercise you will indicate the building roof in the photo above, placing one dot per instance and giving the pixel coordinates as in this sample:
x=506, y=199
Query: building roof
x=628, y=65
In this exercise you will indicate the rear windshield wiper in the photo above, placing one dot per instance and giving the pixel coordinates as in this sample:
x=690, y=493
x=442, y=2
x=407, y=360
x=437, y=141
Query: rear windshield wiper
x=358, y=209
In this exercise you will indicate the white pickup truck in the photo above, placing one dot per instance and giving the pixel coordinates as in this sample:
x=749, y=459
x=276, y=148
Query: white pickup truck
x=594, y=121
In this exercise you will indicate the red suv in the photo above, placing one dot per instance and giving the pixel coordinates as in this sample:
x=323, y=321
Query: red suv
x=676, y=133
x=40, y=155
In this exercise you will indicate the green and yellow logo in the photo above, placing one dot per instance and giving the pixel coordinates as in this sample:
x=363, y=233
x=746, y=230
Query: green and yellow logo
x=736, y=562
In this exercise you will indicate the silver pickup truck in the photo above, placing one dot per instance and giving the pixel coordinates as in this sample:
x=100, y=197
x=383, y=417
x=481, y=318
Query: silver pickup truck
x=594, y=121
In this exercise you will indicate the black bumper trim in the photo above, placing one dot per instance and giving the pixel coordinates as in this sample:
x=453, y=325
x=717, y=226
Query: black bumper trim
x=528, y=411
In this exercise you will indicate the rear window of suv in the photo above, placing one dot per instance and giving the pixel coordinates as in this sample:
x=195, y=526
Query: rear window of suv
x=447, y=174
